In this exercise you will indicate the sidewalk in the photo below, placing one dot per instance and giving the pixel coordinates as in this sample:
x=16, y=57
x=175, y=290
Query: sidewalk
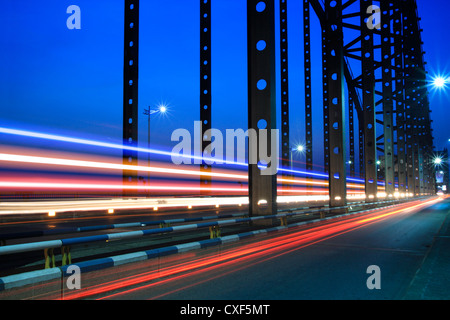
x=432, y=281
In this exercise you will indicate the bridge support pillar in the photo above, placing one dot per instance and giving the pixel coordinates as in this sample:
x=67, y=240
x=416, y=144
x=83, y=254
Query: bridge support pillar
x=130, y=95
x=368, y=97
x=333, y=53
x=261, y=106
x=205, y=91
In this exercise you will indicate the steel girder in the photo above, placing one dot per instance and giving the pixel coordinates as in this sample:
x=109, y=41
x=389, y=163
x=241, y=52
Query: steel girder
x=205, y=89
x=424, y=136
x=368, y=98
x=286, y=148
x=308, y=84
x=261, y=100
x=130, y=94
x=407, y=124
x=399, y=97
x=335, y=101
x=387, y=56
x=399, y=85
x=412, y=56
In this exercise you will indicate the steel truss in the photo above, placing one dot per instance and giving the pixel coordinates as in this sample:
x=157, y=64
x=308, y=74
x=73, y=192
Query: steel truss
x=261, y=101
x=205, y=89
x=130, y=93
x=386, y=99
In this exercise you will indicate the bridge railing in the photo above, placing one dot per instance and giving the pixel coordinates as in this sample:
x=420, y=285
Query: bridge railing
x=65, y=244
x=62, y=273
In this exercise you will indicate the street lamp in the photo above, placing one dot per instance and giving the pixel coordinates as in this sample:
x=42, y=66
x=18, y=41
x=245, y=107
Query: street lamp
x=438, y=161
x=299, y=148
x=439, y=82
x=149, y=112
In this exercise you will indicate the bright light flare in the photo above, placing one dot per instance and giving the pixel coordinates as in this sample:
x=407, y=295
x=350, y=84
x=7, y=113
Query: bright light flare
x=440, y=82
x=438, y=161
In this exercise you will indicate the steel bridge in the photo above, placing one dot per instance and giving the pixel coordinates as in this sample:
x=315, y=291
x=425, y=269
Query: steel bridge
x=372, y=67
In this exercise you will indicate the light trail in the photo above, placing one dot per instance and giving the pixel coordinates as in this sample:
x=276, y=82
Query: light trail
x=87, y=142
x=108, y=165
x=113, y=166
x=40, y=184
x=286, y=195
x=43, y=184
x=244, y=255
x=24, y=208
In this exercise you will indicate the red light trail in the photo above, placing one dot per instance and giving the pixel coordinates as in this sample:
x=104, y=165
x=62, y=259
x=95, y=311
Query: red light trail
x=245, y=255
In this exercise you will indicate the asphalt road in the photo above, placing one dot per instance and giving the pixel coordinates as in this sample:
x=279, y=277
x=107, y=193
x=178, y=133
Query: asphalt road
x=409, y=248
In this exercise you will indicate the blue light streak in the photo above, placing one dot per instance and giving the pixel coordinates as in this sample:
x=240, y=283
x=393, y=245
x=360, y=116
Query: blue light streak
x=53, y=137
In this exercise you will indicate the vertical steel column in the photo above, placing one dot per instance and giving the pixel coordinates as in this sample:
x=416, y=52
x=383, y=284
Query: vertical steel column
x=420, y=97
x=285, y=138
x=420, y=129
x=368, y=82
x=361, y=146
x=417, y=152
x=326, y=132
x=409, y=99
x=261, y=99
x=400, y=98
x=334, y=42
x=130, y=94
x=205, y=88
x=388, y=104
x=308, y=84
x=427, y=135
x=351, y=111
x=421, y=173
x=416, y=125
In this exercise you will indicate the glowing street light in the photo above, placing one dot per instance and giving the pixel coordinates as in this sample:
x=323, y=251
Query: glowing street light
x=148, y=112
x=299, y=148
x=160, y=109
x=439, y=82
x=438, y=161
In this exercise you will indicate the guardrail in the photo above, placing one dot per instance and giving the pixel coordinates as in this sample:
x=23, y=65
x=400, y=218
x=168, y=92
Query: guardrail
x=30, y=278
x=167, y=222
x=66, y=243
x=61, y=231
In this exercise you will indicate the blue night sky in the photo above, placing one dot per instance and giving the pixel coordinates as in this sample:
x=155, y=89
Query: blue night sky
x=69, y=82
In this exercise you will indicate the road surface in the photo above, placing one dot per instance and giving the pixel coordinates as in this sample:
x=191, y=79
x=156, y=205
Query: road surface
x=410, y=246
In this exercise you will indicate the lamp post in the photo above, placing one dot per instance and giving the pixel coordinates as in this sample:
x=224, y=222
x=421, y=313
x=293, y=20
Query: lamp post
x=299, y=148
x=149, y=112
